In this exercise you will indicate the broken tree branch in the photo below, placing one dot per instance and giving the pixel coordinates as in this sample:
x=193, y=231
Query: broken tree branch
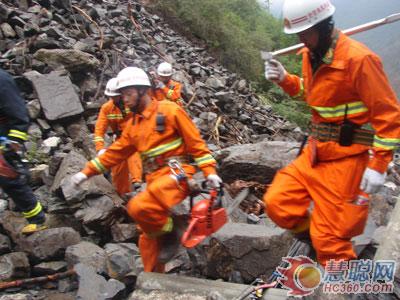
x=94, y=22
x=145, y=36
x=191, y=100
x=36, y=280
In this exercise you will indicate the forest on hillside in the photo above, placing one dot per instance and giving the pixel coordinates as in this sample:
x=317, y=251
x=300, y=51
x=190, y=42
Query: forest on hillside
x=235, y=31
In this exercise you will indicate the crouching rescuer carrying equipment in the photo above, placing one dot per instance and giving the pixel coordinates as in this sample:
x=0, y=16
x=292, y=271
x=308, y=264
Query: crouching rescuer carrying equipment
x=158, y=142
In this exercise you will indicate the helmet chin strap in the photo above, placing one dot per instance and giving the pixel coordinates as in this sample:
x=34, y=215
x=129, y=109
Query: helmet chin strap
x=324, y=29
x=141, y=93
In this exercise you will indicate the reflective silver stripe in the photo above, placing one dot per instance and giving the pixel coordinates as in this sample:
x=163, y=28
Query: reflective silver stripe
x=208, y=158
x=163, y=148
x=98, y=165
x=33, y=212
x=18, y=134
x=300, y=94
x=340, y=110
x=386, y=143
x=114, y=116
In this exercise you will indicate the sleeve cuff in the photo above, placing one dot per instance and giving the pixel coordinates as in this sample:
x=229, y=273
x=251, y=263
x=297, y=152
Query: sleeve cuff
x=378, y=165
x=89, y=171
x=208, y=170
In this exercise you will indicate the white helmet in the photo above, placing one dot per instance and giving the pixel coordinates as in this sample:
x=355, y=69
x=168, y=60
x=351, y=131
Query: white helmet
x=111, y=88
x=164, y=69
x=132, y=76
x=299, y=15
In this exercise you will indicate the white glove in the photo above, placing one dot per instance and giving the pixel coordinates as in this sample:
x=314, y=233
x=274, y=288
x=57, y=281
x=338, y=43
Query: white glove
x=274, y=71
x=101, y=151
x=214, y=180
x=78, y=178
x=160, y=85
x=372, y=181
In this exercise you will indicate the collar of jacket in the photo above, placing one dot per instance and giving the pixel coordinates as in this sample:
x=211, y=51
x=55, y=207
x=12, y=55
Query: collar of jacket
x=330, y=54
x=150, y=109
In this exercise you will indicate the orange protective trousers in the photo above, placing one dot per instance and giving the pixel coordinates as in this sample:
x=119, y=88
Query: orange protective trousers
x=332, y=186
x=127, y=172
x=151, y=210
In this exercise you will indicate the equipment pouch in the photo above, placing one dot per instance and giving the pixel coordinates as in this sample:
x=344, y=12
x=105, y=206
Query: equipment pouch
x=346, y=134
x=160, y=123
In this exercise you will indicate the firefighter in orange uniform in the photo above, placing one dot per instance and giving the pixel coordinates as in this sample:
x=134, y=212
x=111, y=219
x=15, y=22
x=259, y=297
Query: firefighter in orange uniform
x=115, y=115
x=165, y=87
x=345, y=86
x=160, y=131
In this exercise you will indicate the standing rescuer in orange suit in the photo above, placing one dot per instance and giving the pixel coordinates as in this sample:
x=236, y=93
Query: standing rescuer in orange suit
x=166, y=88
x=114, y=114
x=345, y=86
x=160, y=131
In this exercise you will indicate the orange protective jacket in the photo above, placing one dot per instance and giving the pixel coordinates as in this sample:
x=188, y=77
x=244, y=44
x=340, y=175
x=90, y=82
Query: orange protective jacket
x=109, y=116
x=171, y=91
x=351, y=75
x=180, y=137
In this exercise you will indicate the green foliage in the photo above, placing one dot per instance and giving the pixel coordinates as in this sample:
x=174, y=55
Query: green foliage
x=236, y=31
x=33, y=154
x=294, y=111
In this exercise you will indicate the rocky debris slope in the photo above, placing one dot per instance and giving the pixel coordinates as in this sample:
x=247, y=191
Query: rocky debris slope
x=61, y=53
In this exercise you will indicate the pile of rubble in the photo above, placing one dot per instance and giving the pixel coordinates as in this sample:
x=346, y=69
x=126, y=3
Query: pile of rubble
x=61, y=53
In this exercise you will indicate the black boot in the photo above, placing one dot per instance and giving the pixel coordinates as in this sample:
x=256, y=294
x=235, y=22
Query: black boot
x=170, y=243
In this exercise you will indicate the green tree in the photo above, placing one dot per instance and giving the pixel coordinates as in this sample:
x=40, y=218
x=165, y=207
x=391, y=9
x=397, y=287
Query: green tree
x=235, y=31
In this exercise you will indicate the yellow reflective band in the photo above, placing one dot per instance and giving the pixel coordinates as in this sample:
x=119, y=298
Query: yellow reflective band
x=18, y=134
x=386, y=143
x=208, y=158
x=300, y=94
x=114, y=116
x=98, y=165
x=165, y=229
x=163, y=148
x=339, y=111
x=168, y=226
x=98, y=139
x=34, y=211
x=127, y=110
x=169, y=94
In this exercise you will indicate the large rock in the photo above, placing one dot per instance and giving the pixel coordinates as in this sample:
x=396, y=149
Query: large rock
x=93, y=286
x=70, y=59
x=5, y=244
x=50, y=243
x=242, y=251
x=95, y=211
x=57, y=96
x=121, y=259
x=255, y=162
x=14, y=265
x=390, y=246
x=87, y=253
x=95, y=186
x=124, y=232
x=171, y=287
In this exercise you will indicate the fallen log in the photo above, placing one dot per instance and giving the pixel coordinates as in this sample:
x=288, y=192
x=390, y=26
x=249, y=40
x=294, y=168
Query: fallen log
x=36, y=280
